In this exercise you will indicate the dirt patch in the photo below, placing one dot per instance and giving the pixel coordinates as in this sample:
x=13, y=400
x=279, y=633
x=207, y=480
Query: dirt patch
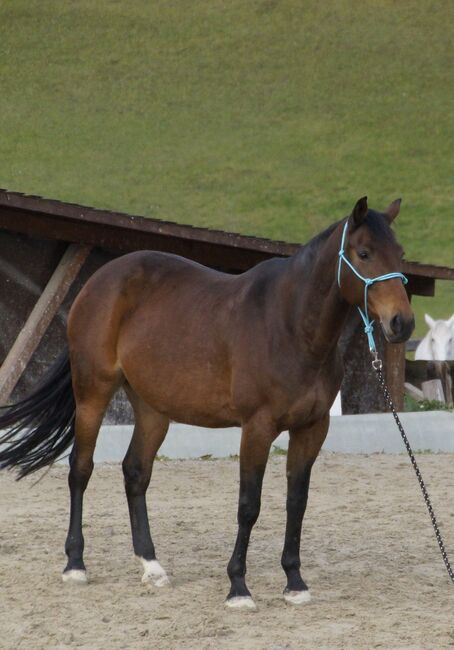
x=368, y=554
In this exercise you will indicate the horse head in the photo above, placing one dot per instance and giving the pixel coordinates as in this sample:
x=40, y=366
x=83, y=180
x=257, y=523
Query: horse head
x=438, y=344
x=371, y=248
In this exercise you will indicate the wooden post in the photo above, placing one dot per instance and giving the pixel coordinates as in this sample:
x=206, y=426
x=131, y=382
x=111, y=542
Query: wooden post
x=40, y=318
x=360, y=391
x=395, y=372
x=395, y=368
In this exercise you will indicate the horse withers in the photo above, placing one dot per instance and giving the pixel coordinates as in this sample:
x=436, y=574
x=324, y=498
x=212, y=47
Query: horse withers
x=193, y=345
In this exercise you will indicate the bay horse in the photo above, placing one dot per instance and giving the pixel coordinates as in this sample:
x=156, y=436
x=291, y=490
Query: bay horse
x=194, y=345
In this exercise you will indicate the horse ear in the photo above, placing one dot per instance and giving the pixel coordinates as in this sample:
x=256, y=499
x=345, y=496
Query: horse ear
x=429, y=320
x=393, y=210
x=451, y=321
x=359, y=213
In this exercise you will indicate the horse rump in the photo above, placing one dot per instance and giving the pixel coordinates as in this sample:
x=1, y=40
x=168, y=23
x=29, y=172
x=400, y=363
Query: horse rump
x=39, y=428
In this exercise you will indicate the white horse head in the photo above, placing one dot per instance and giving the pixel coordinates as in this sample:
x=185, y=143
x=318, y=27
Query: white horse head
x=438, y=343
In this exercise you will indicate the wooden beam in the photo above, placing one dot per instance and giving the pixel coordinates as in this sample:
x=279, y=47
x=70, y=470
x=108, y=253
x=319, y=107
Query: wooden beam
x=40, y=318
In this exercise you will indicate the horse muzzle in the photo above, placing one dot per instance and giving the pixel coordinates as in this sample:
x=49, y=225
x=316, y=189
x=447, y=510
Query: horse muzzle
x=398, y=328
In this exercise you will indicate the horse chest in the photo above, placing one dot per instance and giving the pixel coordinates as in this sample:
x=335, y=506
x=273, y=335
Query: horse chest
x=309, y=397
x=312, y=403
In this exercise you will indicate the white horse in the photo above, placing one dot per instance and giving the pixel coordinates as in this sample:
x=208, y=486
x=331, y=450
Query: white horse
x=438, y=343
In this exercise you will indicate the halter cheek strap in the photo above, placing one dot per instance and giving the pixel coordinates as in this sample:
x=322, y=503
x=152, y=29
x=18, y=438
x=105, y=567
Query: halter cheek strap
x=368, y=324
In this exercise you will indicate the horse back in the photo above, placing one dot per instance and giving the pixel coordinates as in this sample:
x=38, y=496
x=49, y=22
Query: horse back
x=167, y=325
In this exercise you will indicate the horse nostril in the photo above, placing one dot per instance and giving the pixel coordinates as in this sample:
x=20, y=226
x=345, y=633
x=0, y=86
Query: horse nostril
x=396, y=324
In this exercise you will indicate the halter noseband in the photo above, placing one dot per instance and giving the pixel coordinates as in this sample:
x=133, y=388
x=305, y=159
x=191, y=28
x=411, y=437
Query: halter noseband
x=368, y=324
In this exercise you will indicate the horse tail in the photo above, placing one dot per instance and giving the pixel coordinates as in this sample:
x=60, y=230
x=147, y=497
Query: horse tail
x=40, y=427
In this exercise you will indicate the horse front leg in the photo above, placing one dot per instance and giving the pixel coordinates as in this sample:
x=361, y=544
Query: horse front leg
x=303, y=449
x=257, y=436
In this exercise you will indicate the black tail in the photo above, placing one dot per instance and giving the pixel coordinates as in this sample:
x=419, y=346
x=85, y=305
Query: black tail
x=40, y=427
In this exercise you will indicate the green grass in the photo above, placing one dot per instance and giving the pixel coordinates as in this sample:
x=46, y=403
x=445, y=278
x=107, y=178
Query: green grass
x=278, y=451
x=265, y=117
x=424, y=405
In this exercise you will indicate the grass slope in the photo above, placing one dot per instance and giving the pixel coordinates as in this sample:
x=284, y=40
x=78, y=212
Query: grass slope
x=265, y=117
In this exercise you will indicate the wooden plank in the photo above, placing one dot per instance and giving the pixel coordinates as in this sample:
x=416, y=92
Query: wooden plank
x=420, y=286
x=412, y=344
x=448, y=391
x=31, y=207
x=442, y=371
x=123, y=232
x=433, y=390
x=413, y=392
x=40, y=318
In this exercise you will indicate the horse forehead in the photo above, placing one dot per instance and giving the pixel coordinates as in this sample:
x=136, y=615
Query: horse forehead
x=441, y=329
x=381, y=240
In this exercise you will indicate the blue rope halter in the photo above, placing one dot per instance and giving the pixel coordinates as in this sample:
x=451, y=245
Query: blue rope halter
x=368, y=324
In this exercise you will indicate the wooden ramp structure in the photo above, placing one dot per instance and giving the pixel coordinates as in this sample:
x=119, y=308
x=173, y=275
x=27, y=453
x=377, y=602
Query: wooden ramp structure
x=48, y=249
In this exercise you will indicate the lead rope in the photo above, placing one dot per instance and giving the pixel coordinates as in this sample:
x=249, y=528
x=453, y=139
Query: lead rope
x=377, y=365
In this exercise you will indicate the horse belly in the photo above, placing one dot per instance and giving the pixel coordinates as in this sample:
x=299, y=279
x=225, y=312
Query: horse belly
x=186, y=395
x=188, y=383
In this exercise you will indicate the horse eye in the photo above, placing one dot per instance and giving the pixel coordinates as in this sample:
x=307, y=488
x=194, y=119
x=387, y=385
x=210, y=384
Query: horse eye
x=363, y=255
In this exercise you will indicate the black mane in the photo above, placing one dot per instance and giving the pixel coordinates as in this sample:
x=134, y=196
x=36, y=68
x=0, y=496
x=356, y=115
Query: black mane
x=377, y=223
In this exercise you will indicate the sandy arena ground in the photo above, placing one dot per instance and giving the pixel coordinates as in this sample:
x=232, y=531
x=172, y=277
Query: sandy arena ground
x=369, y=556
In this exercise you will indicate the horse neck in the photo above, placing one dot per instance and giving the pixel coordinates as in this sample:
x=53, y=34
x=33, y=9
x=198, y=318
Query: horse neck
x=320, y=310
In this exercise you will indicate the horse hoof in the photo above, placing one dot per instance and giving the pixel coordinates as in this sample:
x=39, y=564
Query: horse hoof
x=75, y=576
x=154, y=573
x=241, y=602
x=297, y=597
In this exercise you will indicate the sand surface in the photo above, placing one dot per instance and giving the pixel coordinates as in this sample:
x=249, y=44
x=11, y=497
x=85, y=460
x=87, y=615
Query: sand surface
x=368, y=552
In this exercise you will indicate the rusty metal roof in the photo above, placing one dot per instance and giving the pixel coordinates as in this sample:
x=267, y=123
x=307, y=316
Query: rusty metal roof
x=119, y=232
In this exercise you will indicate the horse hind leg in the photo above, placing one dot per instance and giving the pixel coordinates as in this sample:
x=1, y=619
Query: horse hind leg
x=91, y=404
x=149, y=432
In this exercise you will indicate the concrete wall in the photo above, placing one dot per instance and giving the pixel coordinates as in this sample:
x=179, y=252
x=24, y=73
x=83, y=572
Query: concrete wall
x=363, y=434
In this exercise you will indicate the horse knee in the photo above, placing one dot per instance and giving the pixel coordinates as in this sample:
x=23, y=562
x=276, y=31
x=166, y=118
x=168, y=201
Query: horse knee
x=136, y=477
x=296, y=505
x=248, y=511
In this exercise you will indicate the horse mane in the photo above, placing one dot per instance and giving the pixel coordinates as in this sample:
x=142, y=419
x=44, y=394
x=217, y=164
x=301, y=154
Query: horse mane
x=375, y=221
x=308, y=252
